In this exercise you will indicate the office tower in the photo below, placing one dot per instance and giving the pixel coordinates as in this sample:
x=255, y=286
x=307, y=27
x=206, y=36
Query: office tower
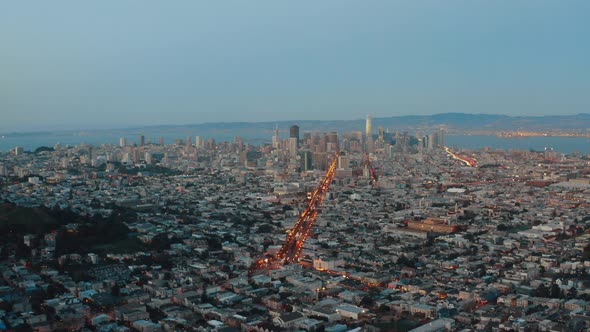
x=19, y=150
x=320, y=161
x=322, y=146
x=294, y=133
x=420, y=143
x=148, y=158
x=369, y=126
x=441, y=138
x=343, y=162
x=198, y=142
x=307, y=160
x=343, y=169
x=239, y=143
x=381, y=134
x=187, y=142
x=276, y=142
x=332, y=142
x=161, y=141
x=135, y=154
x=211, y=143
x=293, y=147
x=90, y=156
x=126, y=158
x=370, y=145
x=141, y=140
x=306, y=138
x=369, y=134
x=122, y=142
x=357, y=135
x=431, y=143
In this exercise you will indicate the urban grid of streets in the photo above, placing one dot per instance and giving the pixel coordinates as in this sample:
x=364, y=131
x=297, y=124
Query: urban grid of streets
x=434, y=245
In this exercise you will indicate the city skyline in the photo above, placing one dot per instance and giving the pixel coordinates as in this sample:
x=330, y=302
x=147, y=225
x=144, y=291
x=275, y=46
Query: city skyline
x=102, y=65
x=268, y=166
x=338, y=230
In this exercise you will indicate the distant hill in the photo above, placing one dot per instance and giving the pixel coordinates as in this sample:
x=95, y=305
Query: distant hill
x=451, y=121
x=263, y=131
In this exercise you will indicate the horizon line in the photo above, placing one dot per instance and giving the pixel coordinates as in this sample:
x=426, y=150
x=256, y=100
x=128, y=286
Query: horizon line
x=148, y=126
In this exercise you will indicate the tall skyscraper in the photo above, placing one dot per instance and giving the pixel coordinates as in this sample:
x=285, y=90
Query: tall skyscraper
x=293, y=147
x=390, y=149
x=369, y=134
x=369, y=126
x=431, y=143
x=307, y=161
x=122, y=142
x=126, y=158
x=332, y=141
x=294, y=133
x=441, y=138
x=141, y=140
x=306, y=138
x=135, y=154
x=276, y=142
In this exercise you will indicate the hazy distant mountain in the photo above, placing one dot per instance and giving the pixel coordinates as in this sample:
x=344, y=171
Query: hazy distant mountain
x=462, y=121
x=451, y=121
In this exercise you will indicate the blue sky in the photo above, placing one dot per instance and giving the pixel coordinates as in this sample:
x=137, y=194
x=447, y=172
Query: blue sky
x=84, y=65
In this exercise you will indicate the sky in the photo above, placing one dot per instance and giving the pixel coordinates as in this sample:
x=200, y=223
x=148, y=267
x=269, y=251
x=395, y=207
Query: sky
x=116, y=63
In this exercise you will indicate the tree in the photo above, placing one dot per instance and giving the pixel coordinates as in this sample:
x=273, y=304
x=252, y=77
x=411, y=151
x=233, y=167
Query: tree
x=43, y=149
x=162, y=242
x=586, y=252
x=116, y=290
x=555, y=291
x=542, y=291
x=572, y=293
x=265, y=228
x=213, y=243
x=367, y=302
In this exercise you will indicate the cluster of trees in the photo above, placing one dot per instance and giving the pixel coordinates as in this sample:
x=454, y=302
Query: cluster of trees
x=554, y=292
x=92, y=231
x=15, y=222
x=43, y=149
x=23, y=220
x=586, y=253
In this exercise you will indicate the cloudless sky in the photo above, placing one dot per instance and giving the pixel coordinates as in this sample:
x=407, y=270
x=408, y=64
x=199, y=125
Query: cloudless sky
x=89, y=64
